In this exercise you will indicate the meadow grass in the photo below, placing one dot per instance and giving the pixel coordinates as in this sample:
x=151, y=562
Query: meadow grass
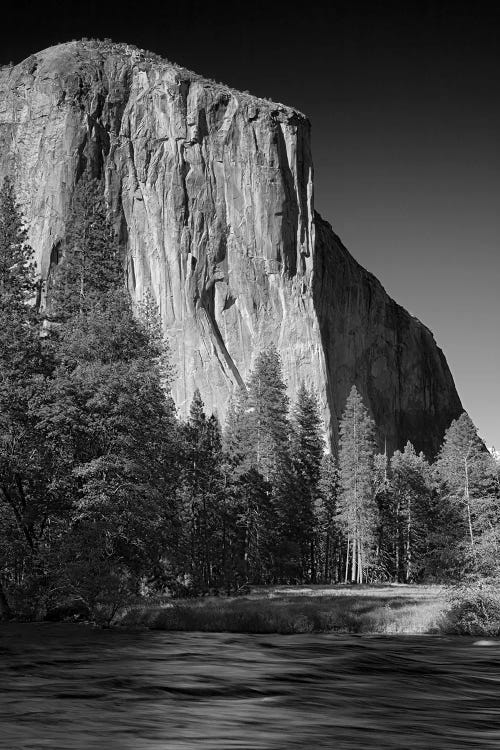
x=384, y=609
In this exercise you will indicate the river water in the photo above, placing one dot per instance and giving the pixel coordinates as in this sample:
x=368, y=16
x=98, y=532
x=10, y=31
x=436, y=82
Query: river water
x=74, y=687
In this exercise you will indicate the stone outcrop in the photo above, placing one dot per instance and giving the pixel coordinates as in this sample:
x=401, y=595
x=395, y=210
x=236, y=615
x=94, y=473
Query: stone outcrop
x=211, y=191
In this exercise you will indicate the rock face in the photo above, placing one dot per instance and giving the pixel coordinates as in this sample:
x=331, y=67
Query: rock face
x=212, y=193
x=392, y=357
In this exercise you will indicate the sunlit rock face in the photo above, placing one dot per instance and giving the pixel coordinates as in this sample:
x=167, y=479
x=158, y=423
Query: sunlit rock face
x=211, y=191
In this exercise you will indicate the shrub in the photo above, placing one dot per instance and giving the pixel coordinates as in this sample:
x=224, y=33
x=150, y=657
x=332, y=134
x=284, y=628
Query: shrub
x=474, y=610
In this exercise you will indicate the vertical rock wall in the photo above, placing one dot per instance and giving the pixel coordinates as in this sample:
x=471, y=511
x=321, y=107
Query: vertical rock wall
x=212, y=193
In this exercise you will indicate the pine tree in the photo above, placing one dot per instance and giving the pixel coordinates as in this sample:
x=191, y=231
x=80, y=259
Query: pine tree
x=203, y=502
x=249, y=498
x=257, y=450
x=268, y=439
x=108, y=404
x=149, y=315
x=410, y=491
x=468, y=488
x=328, y=533
x=244, y=494
x=91, y=262
x=356, y=507
x=387, y=533
x=21, y=350
x=236, y=433
x=26, y=497
x=18, y=281
x=307, y=452
x=266, y=414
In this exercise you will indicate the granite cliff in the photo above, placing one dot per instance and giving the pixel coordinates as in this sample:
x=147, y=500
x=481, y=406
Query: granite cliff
x=211, y=191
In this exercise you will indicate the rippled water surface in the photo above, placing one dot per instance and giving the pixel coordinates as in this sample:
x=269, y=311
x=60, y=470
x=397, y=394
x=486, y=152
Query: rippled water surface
x=64, y=686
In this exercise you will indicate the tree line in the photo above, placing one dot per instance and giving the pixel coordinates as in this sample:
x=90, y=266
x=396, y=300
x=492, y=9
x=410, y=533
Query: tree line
x=106, y=494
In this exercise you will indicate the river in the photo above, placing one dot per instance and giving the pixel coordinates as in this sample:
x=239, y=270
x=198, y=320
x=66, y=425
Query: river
x=73, y=687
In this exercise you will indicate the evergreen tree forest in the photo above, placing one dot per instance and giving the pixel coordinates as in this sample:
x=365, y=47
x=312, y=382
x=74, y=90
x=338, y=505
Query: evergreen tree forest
x=107, y=496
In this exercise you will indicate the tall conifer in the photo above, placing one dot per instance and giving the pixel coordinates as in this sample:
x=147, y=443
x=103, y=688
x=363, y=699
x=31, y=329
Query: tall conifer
x=203, y=502
x=266, y=414
x=91, y=262
x=468, y=489
x=356, y=507
x=17, y=266
x=108, y=405
x=307, y=452
x=410, y=492
x=257, y=445
x=327, y=530
x=26, y=494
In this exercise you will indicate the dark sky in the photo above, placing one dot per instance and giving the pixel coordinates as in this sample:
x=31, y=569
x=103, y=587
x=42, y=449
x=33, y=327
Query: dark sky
x=404, y=100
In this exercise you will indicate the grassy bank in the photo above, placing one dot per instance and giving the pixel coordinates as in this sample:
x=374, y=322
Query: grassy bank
x=387, y=609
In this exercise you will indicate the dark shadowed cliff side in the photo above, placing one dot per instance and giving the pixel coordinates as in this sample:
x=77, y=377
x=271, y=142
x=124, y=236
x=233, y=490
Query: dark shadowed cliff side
x=211, y=191
x=372, y=341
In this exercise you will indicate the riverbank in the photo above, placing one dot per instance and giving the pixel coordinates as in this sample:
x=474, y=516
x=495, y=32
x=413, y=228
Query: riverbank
x=380, y=609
